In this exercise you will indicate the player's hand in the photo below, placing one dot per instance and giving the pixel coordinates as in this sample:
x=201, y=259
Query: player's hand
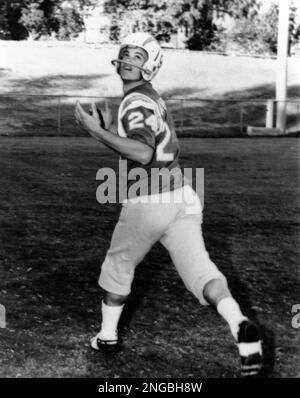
x=89, y=122
x=105, y=117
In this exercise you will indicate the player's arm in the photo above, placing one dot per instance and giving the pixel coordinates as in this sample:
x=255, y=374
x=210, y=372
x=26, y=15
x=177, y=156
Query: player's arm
x=126, y=147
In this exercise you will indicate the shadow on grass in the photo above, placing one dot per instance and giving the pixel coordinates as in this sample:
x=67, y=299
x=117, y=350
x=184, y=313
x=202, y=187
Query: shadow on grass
x=42, y=85
x=40, y=114
x=229, y=115
x=264, y=92
x=226, y=116
x=179, y=93
x=4, y=72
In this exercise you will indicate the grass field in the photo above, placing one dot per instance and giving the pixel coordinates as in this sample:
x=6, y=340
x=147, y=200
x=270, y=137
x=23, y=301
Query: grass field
x=54, y=237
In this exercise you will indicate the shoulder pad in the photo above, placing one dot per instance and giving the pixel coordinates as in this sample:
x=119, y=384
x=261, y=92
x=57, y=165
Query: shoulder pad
x=135, y=100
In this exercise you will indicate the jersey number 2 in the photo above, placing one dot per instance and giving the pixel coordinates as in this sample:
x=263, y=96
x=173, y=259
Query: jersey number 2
x=136, y=120
x=161, y=155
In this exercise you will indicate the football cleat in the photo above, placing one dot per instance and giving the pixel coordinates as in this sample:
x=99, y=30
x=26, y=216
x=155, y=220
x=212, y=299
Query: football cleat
x=250, y=349
x=98, y=344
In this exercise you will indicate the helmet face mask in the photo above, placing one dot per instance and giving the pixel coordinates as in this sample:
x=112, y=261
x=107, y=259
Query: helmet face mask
x=152, y=49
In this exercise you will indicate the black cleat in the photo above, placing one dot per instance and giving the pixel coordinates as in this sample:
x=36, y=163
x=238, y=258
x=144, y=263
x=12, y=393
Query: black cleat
x=108, y=346
x=250, y=349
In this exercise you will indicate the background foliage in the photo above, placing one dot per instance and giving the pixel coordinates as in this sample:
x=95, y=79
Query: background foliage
x=231, y=25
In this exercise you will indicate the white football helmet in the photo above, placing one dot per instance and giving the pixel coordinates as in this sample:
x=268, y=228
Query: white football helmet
x=148, y=44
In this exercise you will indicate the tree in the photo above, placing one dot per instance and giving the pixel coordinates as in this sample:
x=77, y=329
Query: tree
x=33, y=19
x=4, y=32
x=70, y=23
x=153, y=16
x=197, y=20
x=20, y=19
x=294, y=28
x=198, y=17
x=11, y=12
x=163, y=17
x=259, y=35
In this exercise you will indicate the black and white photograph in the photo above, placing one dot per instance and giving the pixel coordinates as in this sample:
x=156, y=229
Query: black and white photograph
x=149, y=191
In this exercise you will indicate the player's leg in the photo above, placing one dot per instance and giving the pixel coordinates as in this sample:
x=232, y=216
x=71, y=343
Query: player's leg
x=217, y=293
x=245, y=332
x=111, y=310
x=185, y=243
x=117, y=272
x=139, y=227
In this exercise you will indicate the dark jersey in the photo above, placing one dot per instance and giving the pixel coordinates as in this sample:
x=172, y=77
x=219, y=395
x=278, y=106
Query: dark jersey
x=143, y=117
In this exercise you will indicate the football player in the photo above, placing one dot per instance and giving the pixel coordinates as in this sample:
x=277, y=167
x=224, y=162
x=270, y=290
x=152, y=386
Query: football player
x=147, y=140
